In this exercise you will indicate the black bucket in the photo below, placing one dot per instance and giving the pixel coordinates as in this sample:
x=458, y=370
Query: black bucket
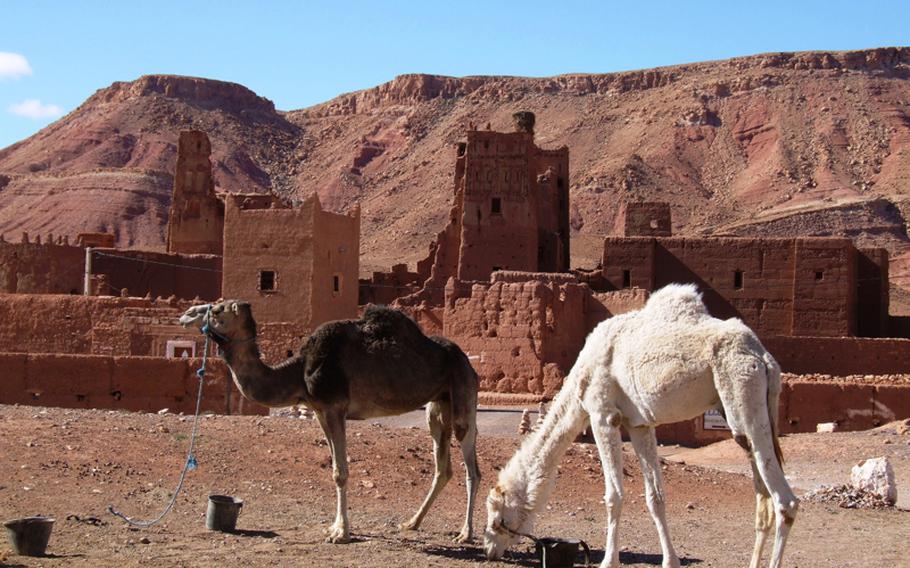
x=560, y=553
x=29, y=536
x=222, y=513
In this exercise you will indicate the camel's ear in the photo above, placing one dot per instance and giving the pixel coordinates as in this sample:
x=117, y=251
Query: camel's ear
x=497, y=489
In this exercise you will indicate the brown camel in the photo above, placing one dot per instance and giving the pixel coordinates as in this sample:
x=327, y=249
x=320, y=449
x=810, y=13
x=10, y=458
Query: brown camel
x=379, y=365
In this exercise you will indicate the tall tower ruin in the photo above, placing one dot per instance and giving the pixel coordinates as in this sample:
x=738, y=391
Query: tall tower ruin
x=515, y=203
x=196, y=217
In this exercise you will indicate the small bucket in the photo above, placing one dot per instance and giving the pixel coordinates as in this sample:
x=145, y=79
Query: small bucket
x=222, y=513
x=560, y=553
x=29, y=536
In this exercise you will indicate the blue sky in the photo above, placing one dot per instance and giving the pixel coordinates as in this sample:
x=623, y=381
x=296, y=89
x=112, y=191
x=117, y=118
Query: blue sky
x=54, y=54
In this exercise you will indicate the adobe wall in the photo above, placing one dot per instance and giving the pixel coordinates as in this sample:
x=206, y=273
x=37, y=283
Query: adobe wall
x=873, y=293
x=196, y=216
x=336, y=265
x=305, y=248
x=36, y=267
x=840, y=355
x=523, y=331
x=857, y=403
x=146, y=384
x=137, y=273
x=67, y=324
x=275, y=240
x=803, y=286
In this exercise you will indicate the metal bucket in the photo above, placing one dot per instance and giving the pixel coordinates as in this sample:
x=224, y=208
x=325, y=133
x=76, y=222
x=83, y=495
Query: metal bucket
x=560, y=553
x=29, y=536
x=222, y=513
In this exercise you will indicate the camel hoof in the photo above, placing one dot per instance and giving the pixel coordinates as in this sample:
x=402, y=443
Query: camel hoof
x=463, y=538
x=408, y=526
x=338, y=536
x=671, y=563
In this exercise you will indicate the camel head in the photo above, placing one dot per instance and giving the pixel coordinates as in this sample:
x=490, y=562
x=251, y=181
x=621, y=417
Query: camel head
x=506, y=515
x=228, y=320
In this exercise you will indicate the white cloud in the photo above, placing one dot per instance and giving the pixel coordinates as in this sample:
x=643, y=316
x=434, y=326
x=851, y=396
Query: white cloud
x=33, y=108
x=13, y=65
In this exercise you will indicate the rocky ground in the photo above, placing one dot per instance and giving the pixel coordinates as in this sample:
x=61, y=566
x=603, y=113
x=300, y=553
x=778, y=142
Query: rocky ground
x=72, y=464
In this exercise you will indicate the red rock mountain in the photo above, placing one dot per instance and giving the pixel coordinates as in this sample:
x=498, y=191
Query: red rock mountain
x=814, y=143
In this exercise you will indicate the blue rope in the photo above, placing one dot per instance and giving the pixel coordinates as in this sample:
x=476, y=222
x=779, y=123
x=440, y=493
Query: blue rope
x=190, y=456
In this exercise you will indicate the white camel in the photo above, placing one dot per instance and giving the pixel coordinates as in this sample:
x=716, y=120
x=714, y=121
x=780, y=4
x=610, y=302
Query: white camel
x=669, y=361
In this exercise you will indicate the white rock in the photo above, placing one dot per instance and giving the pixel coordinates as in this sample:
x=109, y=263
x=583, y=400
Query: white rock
x=876, y=476
x=826, y=427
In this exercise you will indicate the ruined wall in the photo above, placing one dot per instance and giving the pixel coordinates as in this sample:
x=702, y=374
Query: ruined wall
x=550, y=169
x=646, y=219
x=510, y=212
x=386, y=287
x=840, y=355
x=196, y=216
x=36, y=267
x=522, y=330
x=805, y=286
x=145, y=384
x=138, y=273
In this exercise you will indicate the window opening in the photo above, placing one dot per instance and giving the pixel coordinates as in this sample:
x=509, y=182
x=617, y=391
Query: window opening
x=626, y=278
x=738, y=279
x=496, y=206
x=267, y=280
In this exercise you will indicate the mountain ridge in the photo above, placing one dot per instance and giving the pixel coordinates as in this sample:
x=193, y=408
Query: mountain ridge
x=731, y=144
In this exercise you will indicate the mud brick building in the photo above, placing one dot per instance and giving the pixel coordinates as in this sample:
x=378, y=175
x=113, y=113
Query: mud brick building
x=817, y=286
x=510, y=212
x=296, y=265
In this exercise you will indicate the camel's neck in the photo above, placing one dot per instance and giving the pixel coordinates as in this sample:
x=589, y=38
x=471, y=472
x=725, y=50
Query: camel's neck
x=277, y=386
x=532, y=471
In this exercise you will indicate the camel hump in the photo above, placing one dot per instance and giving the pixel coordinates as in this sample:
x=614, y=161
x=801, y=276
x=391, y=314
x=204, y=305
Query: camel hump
x=676, y=303
x=382, y=322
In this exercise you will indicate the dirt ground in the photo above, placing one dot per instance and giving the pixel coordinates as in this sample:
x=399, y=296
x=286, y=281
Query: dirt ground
x=72, y=464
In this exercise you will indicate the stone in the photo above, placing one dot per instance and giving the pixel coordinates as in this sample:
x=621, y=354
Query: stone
x=876, y=476
x=826, y=427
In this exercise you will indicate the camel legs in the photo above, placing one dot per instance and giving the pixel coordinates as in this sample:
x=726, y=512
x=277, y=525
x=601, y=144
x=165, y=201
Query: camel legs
x=605, y=427
x=467, y=438
x=645, y=444
x=333, y=425
x=439, y=420
x=744, y=396
x=764, y=515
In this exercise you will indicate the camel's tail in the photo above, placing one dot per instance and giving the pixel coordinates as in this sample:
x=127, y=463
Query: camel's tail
x=774, y=387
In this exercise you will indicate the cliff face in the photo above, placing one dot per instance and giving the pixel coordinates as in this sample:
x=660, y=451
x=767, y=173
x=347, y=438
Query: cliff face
x=773, y=144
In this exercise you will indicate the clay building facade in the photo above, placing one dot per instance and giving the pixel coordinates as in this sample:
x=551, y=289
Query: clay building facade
x=819, y=287
x=296, y=265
